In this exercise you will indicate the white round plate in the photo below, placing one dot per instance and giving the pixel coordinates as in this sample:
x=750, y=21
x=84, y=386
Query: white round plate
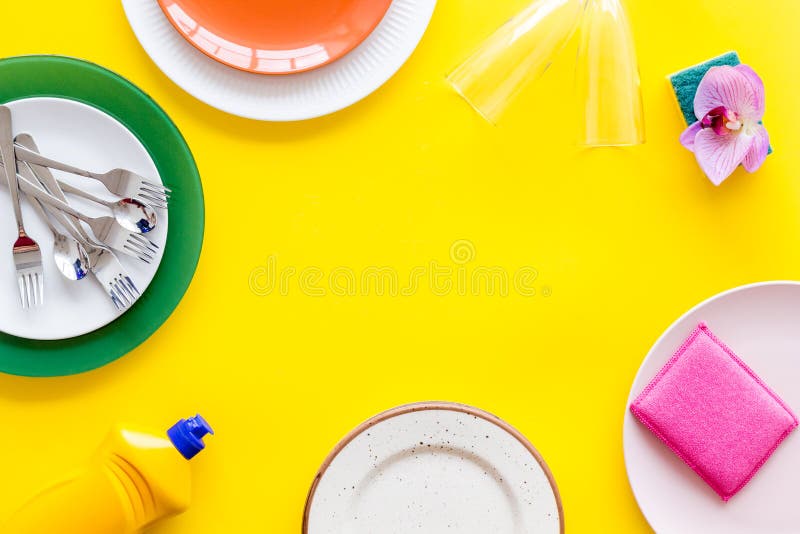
x=761, y=323
x=287, y=97
x=81, y=135
x=433, y=468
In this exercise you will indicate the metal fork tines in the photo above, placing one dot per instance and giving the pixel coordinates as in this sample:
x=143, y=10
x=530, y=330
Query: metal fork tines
x=30, y=275
x=121, y=182
x=103, y=264
x=115, y=236
x=141, y=248
x=126, y=183
x=115, y=280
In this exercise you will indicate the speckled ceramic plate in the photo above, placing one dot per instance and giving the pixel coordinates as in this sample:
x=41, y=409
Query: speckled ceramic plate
x=431, y=468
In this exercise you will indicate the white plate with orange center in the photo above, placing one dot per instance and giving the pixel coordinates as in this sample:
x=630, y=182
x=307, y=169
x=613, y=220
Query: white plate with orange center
x=432, y=468
x=286, y=97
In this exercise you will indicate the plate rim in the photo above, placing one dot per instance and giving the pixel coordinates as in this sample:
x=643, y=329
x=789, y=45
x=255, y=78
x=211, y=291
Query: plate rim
x=432, y=406
x=32, y=358
x=664, y=334
x=328, y=61
x=225, y=104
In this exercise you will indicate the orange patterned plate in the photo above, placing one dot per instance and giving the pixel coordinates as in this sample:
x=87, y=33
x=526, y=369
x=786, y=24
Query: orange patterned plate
x=275, y=36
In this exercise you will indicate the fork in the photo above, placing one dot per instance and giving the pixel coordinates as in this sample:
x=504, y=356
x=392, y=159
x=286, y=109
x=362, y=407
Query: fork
x=26, y=253
x=26, y=141
x=121, y=182
x=112, y=276
x=104, y=265
x=105, y=228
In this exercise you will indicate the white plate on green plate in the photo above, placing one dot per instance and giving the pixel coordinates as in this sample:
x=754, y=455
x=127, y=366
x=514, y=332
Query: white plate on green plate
x=88, y=138
x=434, y=468
x=88, y=115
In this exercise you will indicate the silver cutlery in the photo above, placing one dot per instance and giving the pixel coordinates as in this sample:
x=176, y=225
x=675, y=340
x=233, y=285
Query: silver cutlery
x=105, y=267
x=26, y=141
x=103, y=264
x=108, y=230
x=121, y=182
x=26, y=252
x=70, y=257
x=112, y=276
x=56, y=188
x=125, y=210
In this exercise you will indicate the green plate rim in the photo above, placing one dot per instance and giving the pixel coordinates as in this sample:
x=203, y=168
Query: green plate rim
x=82, y=81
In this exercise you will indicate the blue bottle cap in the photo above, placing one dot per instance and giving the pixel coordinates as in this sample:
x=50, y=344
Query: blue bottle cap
x=187, y=435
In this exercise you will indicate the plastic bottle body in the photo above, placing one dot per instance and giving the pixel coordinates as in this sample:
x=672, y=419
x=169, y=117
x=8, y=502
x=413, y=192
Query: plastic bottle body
x=134, y=480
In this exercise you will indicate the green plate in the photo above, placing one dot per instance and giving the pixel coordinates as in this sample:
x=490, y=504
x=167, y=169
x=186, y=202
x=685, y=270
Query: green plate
x=74, y=79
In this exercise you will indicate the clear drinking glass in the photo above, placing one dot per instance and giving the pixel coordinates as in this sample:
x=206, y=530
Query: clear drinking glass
x=515, y=55
x=608, y=78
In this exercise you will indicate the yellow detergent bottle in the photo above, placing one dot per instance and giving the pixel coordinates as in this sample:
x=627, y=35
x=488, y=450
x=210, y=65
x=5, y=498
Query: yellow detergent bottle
x=135, y=479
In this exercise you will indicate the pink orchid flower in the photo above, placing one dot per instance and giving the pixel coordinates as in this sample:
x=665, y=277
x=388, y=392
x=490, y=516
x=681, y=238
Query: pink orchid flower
x=729, y=106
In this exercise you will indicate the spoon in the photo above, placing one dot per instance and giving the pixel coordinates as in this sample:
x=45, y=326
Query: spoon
x=70, y=257
x=131, y=214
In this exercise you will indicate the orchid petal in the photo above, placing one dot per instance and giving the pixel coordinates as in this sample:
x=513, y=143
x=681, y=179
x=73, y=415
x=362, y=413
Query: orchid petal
x=728, y=88
x=719, y=155
x=758, y=152
x=688, y=135
x=758, y=89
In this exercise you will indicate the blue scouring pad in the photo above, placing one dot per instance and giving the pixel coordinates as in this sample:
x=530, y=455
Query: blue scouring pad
x=685, y=83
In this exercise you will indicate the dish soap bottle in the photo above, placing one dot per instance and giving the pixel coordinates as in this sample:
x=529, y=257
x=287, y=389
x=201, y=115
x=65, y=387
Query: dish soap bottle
x=134, y=479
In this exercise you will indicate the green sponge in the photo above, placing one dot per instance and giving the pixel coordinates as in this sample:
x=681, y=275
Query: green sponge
x=685, y=83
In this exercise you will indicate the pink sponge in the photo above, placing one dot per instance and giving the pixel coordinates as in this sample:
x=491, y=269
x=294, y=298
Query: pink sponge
x=714, y=412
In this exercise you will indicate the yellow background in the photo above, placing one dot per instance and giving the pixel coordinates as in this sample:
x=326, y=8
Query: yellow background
x=627, y=240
